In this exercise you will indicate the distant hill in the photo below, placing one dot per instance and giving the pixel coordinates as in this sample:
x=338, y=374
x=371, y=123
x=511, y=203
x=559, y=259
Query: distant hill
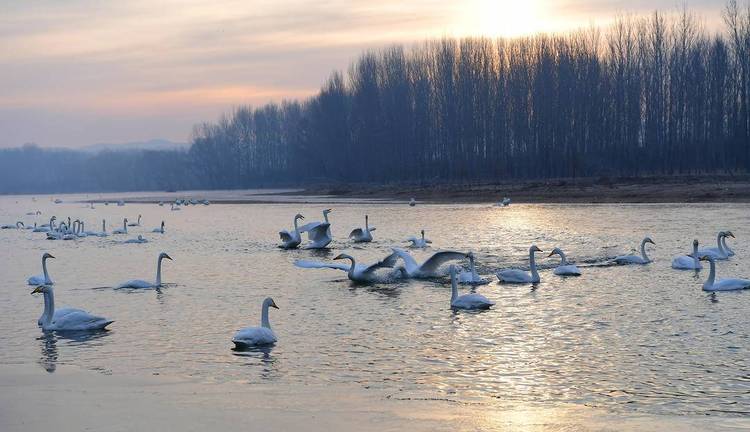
x=153, y=144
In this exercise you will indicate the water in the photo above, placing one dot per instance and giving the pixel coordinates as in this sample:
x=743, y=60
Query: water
x=633, y=338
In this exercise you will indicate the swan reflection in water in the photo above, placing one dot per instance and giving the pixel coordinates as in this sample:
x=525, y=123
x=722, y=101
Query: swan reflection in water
x=49, y=349
x=260, y=356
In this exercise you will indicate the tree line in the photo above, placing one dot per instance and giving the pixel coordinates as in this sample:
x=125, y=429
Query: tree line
x=653, y=95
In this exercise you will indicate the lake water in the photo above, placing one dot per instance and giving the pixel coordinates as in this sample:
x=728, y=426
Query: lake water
x=627, y=338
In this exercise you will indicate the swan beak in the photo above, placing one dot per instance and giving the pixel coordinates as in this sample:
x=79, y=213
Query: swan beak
x=37, y=290
x=339, y=257
x=50, y=256
x=273, y=305
x=550, y=254
x=168, y=257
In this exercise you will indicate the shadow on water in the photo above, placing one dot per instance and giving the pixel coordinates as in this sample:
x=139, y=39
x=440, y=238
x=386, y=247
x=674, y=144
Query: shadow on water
x=259, y=356
x=48, y=344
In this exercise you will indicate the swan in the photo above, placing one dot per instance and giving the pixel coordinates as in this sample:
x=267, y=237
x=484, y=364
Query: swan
x=255, y=336
x=120, y=203
x=319, y=233
x=138, y=283
x=58, y=201
x=44, y=278
x=412, y=202
x=520, y=276
x=635, y=259
x=47, y=227
x=430, y=268
x=18, y=225
x=362, y=235
x=466, y=301
x=290, y=240
x=90, y=233
x=729, y=251
x=36, y=213
x=174, y=208
x=688, y=262
x=124, y=229
x=140, y=239
x=717, y=253
x=722, y=284
x=136, y=224
x=355, y=272
x=470, y=276
x=159, y=230
x=29, y=227
x=206, y=202
x=71, y=320
x=104, y=229
x=161, y=203
x=564, y=269
x=419, y=243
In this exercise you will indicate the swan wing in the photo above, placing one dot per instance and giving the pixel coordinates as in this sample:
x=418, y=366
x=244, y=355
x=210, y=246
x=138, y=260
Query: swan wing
x=79, y=320
x=38, y=280
x=472, y=301
x=357, y=232
x=436, y=260
x=136, y=283
x=318, y=265
x=318, y=232
x=513, y=275
x=309, y=226
x=252, y=336
x=729, y=285
x=285, y=236
x=387, y=262
x=409, y=262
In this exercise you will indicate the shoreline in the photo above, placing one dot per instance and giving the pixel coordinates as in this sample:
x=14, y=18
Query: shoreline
x=71, y=399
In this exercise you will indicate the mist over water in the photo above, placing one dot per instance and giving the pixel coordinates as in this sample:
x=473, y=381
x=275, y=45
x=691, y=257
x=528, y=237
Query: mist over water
x=643, y=338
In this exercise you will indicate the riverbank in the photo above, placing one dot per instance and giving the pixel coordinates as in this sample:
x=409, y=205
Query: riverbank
x=73, y=400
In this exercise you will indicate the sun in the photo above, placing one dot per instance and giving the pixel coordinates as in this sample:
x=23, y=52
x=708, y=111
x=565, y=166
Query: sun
x=495, y=18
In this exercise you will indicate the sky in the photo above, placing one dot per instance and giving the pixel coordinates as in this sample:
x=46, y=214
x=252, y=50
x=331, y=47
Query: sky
x=79, y=72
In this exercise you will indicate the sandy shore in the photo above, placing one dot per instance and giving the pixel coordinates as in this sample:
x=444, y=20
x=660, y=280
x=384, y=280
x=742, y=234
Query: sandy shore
x=75, y=400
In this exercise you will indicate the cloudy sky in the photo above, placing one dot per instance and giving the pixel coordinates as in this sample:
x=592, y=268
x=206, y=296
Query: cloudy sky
x=79, y=72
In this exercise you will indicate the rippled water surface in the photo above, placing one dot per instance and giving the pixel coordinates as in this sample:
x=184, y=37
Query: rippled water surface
x=643, y=338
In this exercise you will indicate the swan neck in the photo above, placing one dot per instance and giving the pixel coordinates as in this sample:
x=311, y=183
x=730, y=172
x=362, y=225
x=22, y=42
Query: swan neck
x=158, y=271
x=563, y=258
x=44, y=269
x=532, y=265
x=325, y=217
x=711, y=274
x=696, y=261
x=454, y=287
x=296, y=229
x=49, y=308
x=264, y=317
x=351, y=268
x=472, y=267
x=643, y=251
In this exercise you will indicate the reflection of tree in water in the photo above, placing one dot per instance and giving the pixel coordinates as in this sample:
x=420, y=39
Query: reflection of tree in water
x=260, y=356
x=48, y=345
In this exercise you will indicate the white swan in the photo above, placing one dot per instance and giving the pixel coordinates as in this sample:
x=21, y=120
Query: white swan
x=159, y=230
x=431, y=267
x=124, y=229
x=256, y=336
x=103, y=233
x=120, y=203
x=520, y=276
x=729, y=251
x=564, y=269
x=18, y=225
x=635, y=259
x=46, y=227
x=412, y=202
x=718, y=252
x=466, y=301
x=136, y=224
x=71, y=320
x=44, y=278
x=687, y=262
x=712, y=284
x=319, y=233
x=419, y=242
x=360, y=235
x=470, y=276
x=174, y=208
x=290, y=240
x=139, y=240
x=138, y=283
x=355, y=272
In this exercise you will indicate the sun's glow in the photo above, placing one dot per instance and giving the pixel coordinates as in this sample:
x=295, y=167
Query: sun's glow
x=495, y=18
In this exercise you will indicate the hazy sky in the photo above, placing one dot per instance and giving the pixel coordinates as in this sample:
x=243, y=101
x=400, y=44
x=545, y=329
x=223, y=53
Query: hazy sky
x=78, y=72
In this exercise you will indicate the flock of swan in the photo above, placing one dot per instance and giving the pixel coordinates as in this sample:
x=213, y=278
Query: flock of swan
x=319, y=237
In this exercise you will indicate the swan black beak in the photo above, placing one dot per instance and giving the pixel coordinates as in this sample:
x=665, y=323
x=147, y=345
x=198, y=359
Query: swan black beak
x=168, y=257
x=37, y=290
x=50, y=256
x=550, y=254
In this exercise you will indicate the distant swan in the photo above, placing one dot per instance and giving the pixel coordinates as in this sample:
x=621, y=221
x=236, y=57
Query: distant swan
x=687, y=262
x=319, y=233
x=431, y=267
x=564, y=269
x=138, y=283
x=722, y=284
x=520, y=276
x=18, y=225
x=159, y=230
x=124, y=229
x=290, y=240
x=466, y=301
x=44, y=278
x=412, y=202
x=362, y=235
x=355, y=272
x=635, y=259
x=71, y=320
x=470, y=276
x=419, y=242
x=140, y=239
x=134, y=224
x=256, y=336
x=718, y=252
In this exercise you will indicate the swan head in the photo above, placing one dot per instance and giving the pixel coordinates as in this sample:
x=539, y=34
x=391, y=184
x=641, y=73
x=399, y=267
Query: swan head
x=422, y=233
x=47, y=255
x=728, y=234
x=695, y=243
x=163, y=255
x=534, y=248
x=125, y=220
x=648, y=240
x=707, y=258
x=343, y=256
x=42, y=289
x=270, y=303
x=298, y=216
x=326, y=211
x=555, y=251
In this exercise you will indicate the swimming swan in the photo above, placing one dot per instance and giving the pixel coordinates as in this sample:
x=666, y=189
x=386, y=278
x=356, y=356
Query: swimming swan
x=729, y=251
x=520, y=276
x=362, y=235
x=124, y=229
x=139, y=240
x=159, y=230
x=718, y=252
x=355, y=272
x=134, y=224
x=44, y=278
x=72, y=320
x=431, y=267
x=470, y=276
x=722, y=284
x=256, y=336
x=419, y=242
x=635, y=259
x=319, y=233
x=564, y=269
x=688, y=262
x=466, y=301
x=138, y=283
x=290, y=240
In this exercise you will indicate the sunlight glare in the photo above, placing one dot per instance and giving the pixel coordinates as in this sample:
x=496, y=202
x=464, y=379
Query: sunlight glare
x=495, y=18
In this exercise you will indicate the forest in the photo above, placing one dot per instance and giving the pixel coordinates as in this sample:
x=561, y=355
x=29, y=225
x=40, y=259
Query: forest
x=648, y=95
